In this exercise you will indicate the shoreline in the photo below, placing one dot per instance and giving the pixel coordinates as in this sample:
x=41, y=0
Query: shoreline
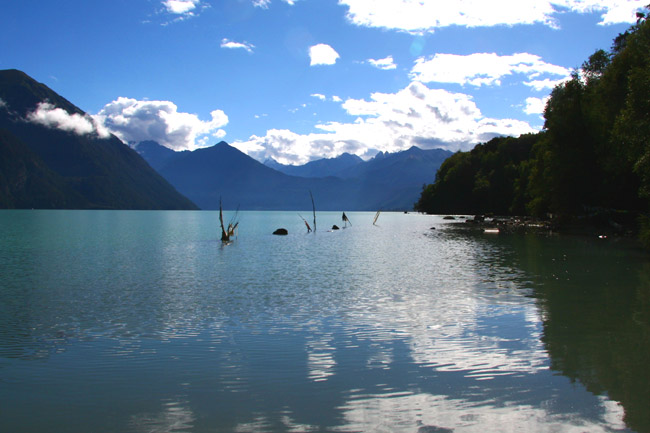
x=579, y=226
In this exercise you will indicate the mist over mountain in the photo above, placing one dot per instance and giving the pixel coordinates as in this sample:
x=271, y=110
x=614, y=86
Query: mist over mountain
x=53, y=155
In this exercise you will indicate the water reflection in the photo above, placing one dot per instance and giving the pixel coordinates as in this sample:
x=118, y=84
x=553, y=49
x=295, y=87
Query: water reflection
x=596, y=309
x=174, y=417
x=437, y=413
x=391, y=328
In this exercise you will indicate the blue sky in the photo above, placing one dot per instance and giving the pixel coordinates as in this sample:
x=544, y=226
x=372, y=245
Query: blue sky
x=305, y=79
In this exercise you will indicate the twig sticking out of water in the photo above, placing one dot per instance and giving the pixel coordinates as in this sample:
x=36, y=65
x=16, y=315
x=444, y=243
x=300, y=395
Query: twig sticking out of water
x=313, y=206
x=306, y=223
x=346, y=220
x=374, y=222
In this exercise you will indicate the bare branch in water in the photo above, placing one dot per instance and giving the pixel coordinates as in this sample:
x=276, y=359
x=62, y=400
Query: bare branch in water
x=313, y=206
x=306, y=223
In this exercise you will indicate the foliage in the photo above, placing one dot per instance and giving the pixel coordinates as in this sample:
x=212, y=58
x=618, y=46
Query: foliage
x=594, y=151
x=491, y=178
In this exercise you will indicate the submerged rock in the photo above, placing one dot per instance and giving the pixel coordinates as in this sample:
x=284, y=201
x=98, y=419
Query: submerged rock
x=434, y=429
x=281, y=232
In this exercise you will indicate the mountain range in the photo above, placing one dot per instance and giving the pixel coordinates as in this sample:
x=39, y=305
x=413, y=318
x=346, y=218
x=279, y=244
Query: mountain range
x=221, y=172
x=53, y=155
x=48, y=163
x=319, y=168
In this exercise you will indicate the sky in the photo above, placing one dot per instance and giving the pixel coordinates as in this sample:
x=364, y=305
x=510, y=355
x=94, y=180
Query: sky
x=299, y=80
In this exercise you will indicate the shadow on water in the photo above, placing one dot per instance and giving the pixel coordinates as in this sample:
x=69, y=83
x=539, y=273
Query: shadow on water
x=596, y=310
x=594, y=300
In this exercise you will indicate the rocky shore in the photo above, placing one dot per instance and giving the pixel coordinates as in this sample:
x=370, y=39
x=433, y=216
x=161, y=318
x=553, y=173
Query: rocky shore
x=594, y=224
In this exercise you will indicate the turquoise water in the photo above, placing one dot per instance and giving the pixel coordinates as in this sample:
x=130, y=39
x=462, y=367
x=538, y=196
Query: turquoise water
x=126, y=321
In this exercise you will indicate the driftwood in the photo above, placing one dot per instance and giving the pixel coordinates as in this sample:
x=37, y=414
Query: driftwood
x=346, y=220
x=224, y=234
x=227, y=233
x=313, y=207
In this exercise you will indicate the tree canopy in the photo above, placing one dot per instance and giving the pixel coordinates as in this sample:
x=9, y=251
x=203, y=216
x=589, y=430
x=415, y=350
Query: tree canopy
x=593, y=153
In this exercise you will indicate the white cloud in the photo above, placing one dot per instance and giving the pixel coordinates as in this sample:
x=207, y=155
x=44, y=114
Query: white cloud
x=48, y=115
x=160, y=121
x=482, y=68
x=322, y=54
x=535, y=105
x=424, y=16
x=611, y=11
x=337, y=98
x=181, y=7
x=545, y=84
x=319, y=96
x=386, y=63
x=264, y=4
x=416, y=115
x=227, y=43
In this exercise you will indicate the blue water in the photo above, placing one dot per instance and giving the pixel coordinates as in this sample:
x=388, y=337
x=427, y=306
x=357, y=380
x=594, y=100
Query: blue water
x=126, y=321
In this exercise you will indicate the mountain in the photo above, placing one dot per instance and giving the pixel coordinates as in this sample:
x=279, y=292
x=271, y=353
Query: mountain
x=389, y=181
x=156, y=155
x=319, y=168
x=395, y=180
x=26, y=181
x=222, y=172
x=51, y=164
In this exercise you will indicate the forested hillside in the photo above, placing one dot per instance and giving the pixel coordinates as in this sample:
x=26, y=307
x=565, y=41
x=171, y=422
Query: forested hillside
x=592, y=156
x=66, y=163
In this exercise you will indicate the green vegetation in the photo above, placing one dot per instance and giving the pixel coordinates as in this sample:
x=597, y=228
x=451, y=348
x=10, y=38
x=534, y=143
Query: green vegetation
x=593, y=156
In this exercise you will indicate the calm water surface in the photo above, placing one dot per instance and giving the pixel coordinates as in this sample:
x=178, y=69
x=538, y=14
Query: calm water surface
x=119, y=321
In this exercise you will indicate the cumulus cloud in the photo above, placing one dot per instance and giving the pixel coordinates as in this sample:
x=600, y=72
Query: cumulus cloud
x=318, y=96
x=416, y=115
x=48, y=115
x=611, y=11
x=322, y=54
x=160, y=121
x=425, y=16
x=483, y=68
x=386, y=63
x=535, y=105
x=181, y=7
x=227, y=43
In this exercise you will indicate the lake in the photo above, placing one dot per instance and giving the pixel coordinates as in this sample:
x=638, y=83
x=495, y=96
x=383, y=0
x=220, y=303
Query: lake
x=129, y=321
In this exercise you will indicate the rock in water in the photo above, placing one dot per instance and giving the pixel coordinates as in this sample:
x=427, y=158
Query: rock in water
x=281, y=232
